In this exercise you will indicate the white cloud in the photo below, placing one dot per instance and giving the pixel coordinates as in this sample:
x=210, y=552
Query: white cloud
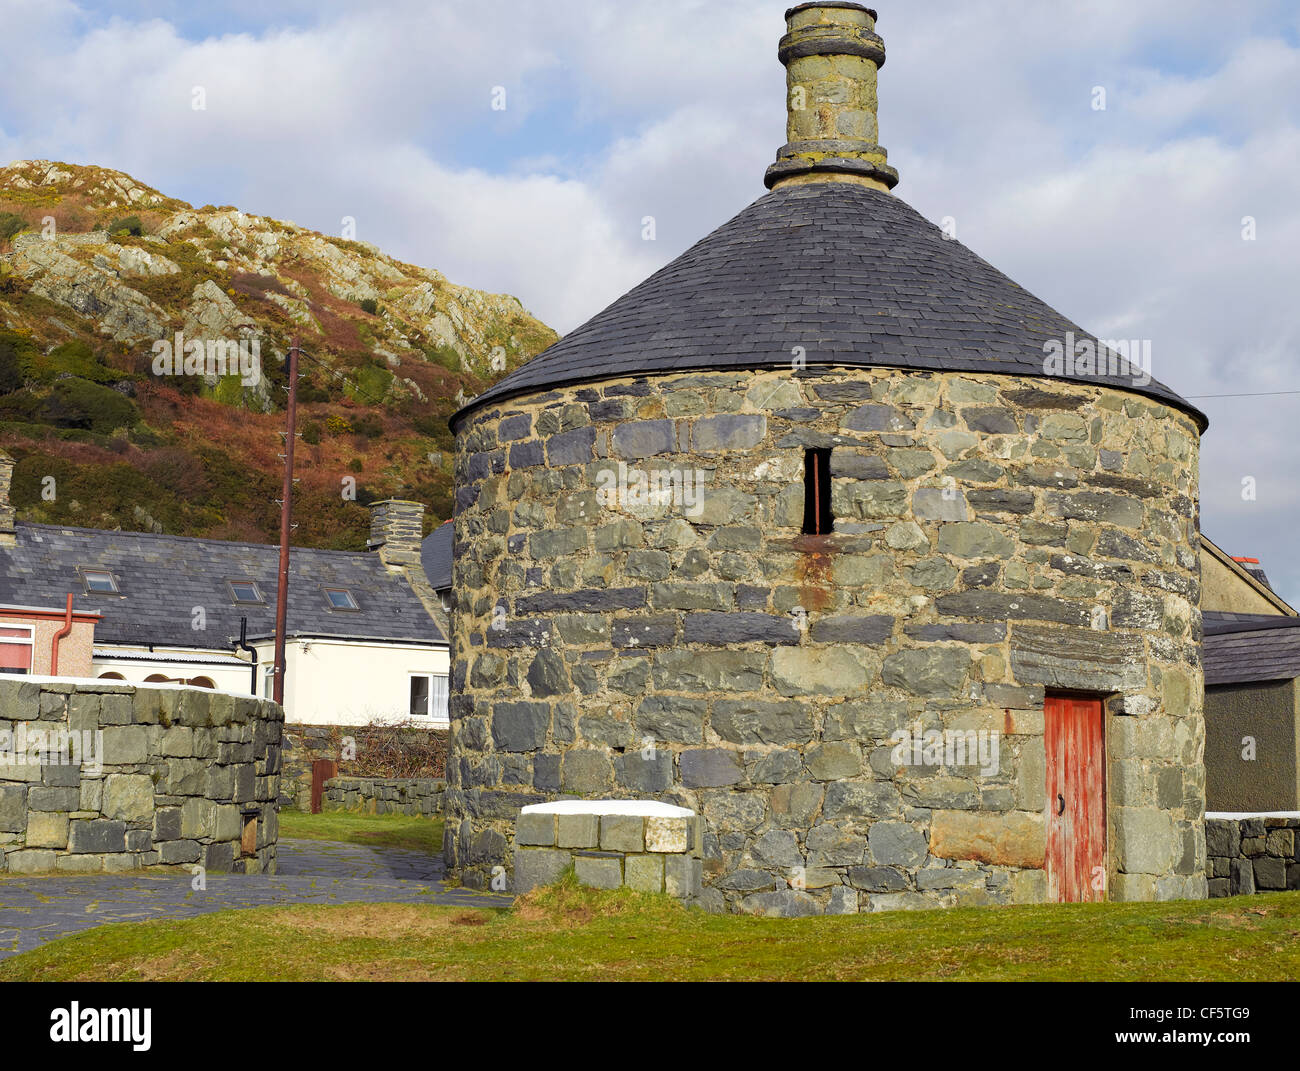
x=1128, y=220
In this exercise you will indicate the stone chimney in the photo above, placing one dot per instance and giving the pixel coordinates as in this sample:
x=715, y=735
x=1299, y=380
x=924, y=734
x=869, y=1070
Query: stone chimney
x=396, y=531
x=396, y=528
x=8, y=534
x=831, y=54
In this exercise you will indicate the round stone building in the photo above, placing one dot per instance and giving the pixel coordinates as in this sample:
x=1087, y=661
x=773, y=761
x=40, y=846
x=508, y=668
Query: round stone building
x=832, y=533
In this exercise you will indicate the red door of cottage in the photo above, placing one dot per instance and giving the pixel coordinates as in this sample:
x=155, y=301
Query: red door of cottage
x=1076, y=799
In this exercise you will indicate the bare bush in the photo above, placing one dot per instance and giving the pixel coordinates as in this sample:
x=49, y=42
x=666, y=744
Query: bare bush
x=396, y=750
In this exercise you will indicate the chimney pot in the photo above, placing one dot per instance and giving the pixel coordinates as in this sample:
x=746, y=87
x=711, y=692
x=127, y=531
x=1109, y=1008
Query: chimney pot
x=831, y=53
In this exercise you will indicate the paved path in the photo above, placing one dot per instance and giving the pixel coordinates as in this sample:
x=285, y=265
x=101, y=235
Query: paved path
x=34, y=910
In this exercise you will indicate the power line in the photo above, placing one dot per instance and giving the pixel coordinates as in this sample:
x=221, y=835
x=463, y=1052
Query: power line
x=339, y=375
x=1260, y=394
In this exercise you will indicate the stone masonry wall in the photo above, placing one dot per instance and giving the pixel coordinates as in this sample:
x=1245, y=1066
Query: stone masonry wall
x=163, y=776
x=303, y=745
x=995, y=536
x=375, y=795
x=1252, y=854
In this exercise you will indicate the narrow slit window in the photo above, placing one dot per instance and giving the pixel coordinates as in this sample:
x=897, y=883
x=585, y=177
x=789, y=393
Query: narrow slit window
x=817, y=492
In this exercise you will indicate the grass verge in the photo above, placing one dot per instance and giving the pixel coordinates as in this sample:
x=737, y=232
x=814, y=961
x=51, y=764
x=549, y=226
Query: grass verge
x=375, y=830
x=570, y=933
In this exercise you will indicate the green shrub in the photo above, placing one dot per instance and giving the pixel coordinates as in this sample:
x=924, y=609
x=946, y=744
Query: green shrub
x=16, y=356
x=369, y=305
x=11, y=373
x=356, y=464
x=311, y=433
x=229, y=390
x=127, y=225
x=78, y=403
x=76, y=359
x=10, y=224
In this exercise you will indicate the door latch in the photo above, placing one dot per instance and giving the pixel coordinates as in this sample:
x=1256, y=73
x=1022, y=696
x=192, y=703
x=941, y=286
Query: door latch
x=1060, y=804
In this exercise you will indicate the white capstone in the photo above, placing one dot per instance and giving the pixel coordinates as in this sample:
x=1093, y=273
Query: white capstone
x=638, y=808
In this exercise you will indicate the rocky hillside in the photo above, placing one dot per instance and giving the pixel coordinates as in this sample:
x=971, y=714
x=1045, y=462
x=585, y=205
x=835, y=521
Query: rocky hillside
x=96, y=268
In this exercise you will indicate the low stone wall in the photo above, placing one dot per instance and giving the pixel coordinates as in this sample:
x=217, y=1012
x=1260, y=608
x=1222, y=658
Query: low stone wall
x=303, y=745
x=376, y=795
x=658, y=850
x=106, y=776
x=1253, y=854
x=307, y=744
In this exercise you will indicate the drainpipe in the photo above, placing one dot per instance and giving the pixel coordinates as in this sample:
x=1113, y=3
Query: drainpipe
x=65, y=631
x=244, y=645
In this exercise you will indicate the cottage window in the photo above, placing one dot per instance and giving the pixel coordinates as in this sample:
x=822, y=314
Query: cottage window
x=817, y=492
x=245, y=593
x=98, y=581
x=429, y=696
x=16, y=649
x=340, y=599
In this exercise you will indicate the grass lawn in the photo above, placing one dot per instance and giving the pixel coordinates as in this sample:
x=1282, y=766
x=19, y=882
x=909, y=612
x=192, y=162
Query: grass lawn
x=381, y=831
x=566, y=932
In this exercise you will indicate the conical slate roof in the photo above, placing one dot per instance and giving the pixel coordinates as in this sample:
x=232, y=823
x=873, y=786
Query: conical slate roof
x=851, y=274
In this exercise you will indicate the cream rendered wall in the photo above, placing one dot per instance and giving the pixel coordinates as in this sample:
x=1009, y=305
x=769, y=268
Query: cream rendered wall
x=226, y=678
x=349, y=682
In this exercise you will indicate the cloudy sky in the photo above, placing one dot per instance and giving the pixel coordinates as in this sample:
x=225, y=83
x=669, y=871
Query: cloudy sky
x=1129, y=220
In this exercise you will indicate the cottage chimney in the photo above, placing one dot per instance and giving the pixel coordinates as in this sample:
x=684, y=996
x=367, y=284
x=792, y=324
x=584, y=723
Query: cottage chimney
x=396, y=528
x=831, y=55
x=8, y=534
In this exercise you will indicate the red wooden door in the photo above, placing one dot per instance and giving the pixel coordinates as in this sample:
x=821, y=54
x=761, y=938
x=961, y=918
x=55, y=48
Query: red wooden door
x=1076, y=799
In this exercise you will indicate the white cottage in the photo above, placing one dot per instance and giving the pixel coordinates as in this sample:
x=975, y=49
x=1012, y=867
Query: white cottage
x=363, y=639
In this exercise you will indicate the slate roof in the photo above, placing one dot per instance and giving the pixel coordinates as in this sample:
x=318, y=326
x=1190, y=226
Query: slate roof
x=161, y=578
x=1217, y=622
x=435, y=556
x=852, y=274
x=1252, y=652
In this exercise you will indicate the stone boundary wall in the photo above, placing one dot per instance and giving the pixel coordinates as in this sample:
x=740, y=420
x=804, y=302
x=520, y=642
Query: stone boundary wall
x=643, y=852
x=305, y=744
x=1253, y=854
x=105, y=776
x=376, y=795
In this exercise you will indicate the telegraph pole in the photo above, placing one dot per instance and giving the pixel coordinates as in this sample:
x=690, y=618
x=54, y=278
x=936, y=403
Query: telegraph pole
x=282, y=588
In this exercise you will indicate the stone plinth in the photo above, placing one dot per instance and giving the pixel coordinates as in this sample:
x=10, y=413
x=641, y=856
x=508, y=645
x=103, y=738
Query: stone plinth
x=647, y=846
